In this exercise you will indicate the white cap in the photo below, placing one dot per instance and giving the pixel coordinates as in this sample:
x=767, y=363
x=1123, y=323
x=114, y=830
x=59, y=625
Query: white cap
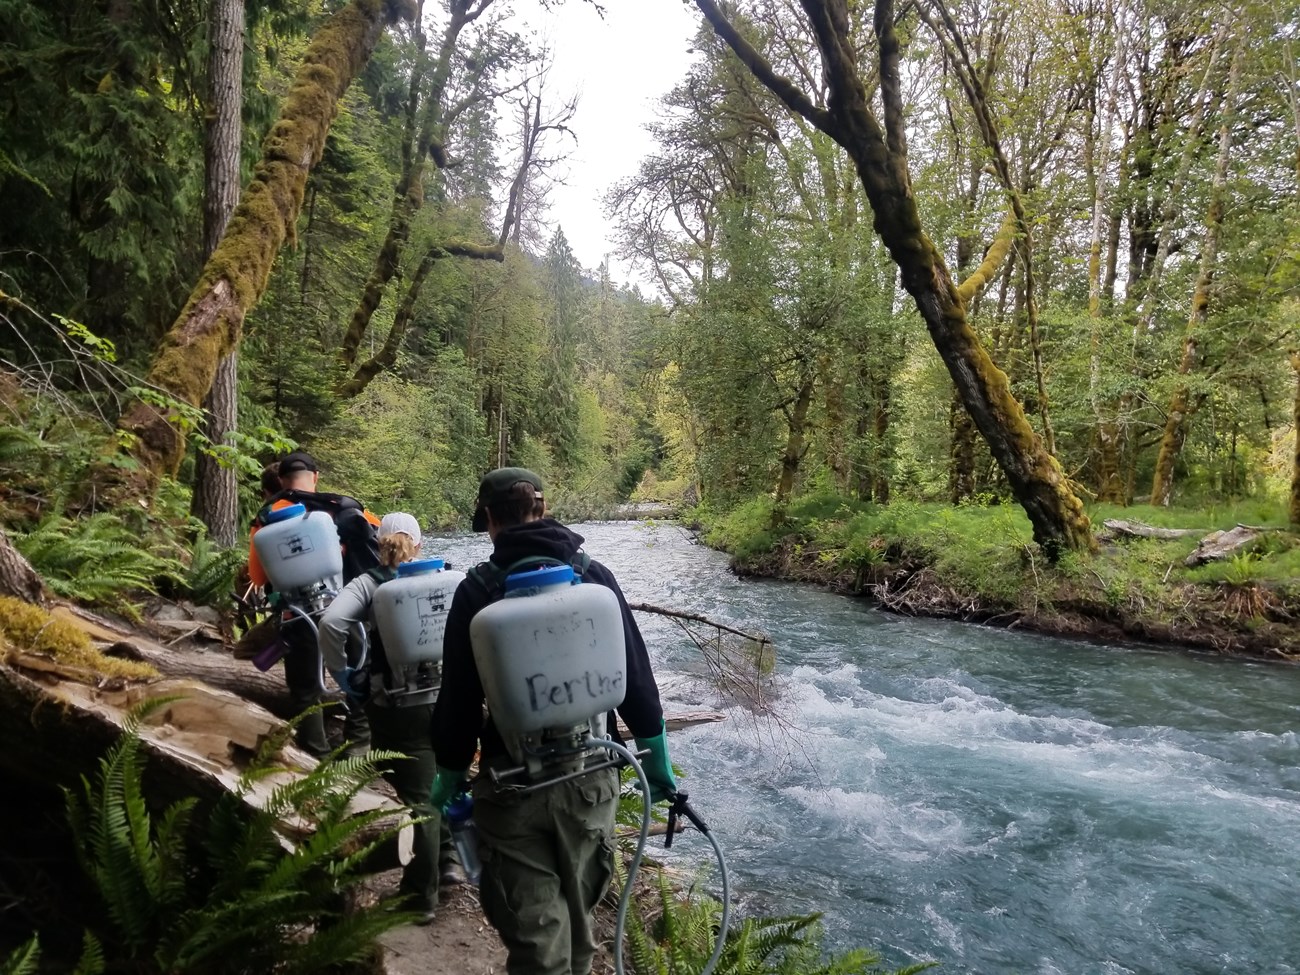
x=400, y=521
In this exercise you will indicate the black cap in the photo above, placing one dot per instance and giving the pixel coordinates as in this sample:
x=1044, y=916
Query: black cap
x=297, y=461
x=496, y=486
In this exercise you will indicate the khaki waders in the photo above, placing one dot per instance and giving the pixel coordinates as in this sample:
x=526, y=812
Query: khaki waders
x=547, y=861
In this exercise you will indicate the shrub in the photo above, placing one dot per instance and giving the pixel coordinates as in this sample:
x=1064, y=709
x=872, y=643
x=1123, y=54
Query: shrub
x=219, y=890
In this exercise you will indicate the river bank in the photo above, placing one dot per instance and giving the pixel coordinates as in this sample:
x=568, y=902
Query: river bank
x=979, y=565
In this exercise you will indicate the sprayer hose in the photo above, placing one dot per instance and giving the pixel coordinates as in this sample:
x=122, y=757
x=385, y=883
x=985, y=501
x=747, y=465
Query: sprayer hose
x=625, y=900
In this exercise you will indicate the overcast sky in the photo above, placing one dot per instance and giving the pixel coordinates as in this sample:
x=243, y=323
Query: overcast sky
x=619, y=66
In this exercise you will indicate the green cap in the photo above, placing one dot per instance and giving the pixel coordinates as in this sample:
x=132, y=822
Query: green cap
x=496, y=486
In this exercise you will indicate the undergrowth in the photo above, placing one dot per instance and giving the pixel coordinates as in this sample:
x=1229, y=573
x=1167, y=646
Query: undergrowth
x=674, y=934
x=985, y=558
x=218, y=889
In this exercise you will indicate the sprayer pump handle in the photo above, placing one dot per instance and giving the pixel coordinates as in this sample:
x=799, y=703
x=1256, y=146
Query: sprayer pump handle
x=680, y=807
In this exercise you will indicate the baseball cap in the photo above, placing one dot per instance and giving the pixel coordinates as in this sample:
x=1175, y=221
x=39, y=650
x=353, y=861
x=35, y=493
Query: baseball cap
x=297, y=461
x=496, y=486
x=400, y=522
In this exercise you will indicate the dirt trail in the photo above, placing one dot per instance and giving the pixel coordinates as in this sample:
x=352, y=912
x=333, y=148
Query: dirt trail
x=460, y=941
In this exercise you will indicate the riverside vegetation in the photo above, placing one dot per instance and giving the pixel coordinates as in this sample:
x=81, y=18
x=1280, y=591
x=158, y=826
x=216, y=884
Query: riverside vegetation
x=978, y=563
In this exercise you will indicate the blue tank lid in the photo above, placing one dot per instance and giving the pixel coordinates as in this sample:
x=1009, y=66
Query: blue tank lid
x=460, y=808
x=284, y=514
x=547, y=575
x=416, y=566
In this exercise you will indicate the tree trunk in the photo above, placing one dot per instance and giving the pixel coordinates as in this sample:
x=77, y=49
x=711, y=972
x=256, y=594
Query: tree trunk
x=797, y=425
x=880, y=424
x=1295, y=426
x=235, y=276
x=408, y=196
x=1171, y=443
x=961, y=468
x=1110, y=488
x=879, y=154
x=384, y=359
x=215, y=501
x=17, y=577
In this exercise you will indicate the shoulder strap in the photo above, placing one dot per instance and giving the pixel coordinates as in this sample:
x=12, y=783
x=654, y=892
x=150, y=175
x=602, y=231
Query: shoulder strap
x=492, y=578
x=381, y=574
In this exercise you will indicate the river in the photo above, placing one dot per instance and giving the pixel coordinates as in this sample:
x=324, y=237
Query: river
x=991, y=800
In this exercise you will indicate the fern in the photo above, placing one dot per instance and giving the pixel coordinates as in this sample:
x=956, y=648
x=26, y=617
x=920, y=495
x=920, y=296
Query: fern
x=219, y=891
x=672, y=935
x=213, y=570
x=23, y=961
x=94, y=559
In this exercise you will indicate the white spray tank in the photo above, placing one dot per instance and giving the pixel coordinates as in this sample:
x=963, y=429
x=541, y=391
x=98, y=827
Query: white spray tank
x=552, y=659
x=411, y=615
x=301, y=554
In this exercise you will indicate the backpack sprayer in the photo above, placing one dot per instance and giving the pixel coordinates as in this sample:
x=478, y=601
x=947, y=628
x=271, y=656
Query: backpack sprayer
x=410, y=613
x=552, y=659
x=302, y=556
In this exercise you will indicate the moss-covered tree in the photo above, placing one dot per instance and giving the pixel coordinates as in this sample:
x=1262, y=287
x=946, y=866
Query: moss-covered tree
x=1295, y=426
x=152, y=433
x=879, y=152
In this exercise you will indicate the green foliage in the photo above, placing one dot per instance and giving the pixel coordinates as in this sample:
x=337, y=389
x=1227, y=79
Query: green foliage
x=218, y=890
x=212, y=572
x=745, y=531
x=96, y=559
x=23, y=960
x=674, y=935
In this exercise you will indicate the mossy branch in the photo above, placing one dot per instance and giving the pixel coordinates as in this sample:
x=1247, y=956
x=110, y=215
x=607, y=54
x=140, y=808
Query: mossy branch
x=779, y=85
x=993, y=260
x=237, y=273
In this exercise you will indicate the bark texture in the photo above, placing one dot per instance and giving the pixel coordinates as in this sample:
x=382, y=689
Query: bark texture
x=17, y=577
x=879, y=153
x=1295, y=426
x=1180, y=404
x=796, y=416
x=235, y=276
x=216, y=492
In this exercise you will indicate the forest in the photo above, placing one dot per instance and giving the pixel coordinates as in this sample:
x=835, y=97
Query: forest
x=982, y=309
x=1094, y=208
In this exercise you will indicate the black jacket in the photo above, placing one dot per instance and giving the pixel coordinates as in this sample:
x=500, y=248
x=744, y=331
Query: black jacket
x=458, y=721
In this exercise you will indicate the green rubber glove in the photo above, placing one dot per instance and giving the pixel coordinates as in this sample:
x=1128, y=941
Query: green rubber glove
x=657, y=767
x=446, y=785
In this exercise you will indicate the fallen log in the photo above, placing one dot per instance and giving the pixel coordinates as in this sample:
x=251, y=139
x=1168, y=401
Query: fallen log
x=1137, y=529
x=677, y=721
x=215, y=667
x=17, y=577
x=60, y=719
x=1221, y=544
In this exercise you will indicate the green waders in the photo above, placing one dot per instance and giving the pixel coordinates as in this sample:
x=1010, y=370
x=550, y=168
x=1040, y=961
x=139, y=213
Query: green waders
x=547, y=861
x=406, y=730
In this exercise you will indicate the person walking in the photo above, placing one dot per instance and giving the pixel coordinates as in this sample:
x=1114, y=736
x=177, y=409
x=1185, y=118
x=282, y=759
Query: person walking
x=299, y=478
x=397, y=723
x=547, y=854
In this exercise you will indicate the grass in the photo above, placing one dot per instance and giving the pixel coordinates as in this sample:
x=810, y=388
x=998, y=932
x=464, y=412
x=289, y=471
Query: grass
x=984, y=562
